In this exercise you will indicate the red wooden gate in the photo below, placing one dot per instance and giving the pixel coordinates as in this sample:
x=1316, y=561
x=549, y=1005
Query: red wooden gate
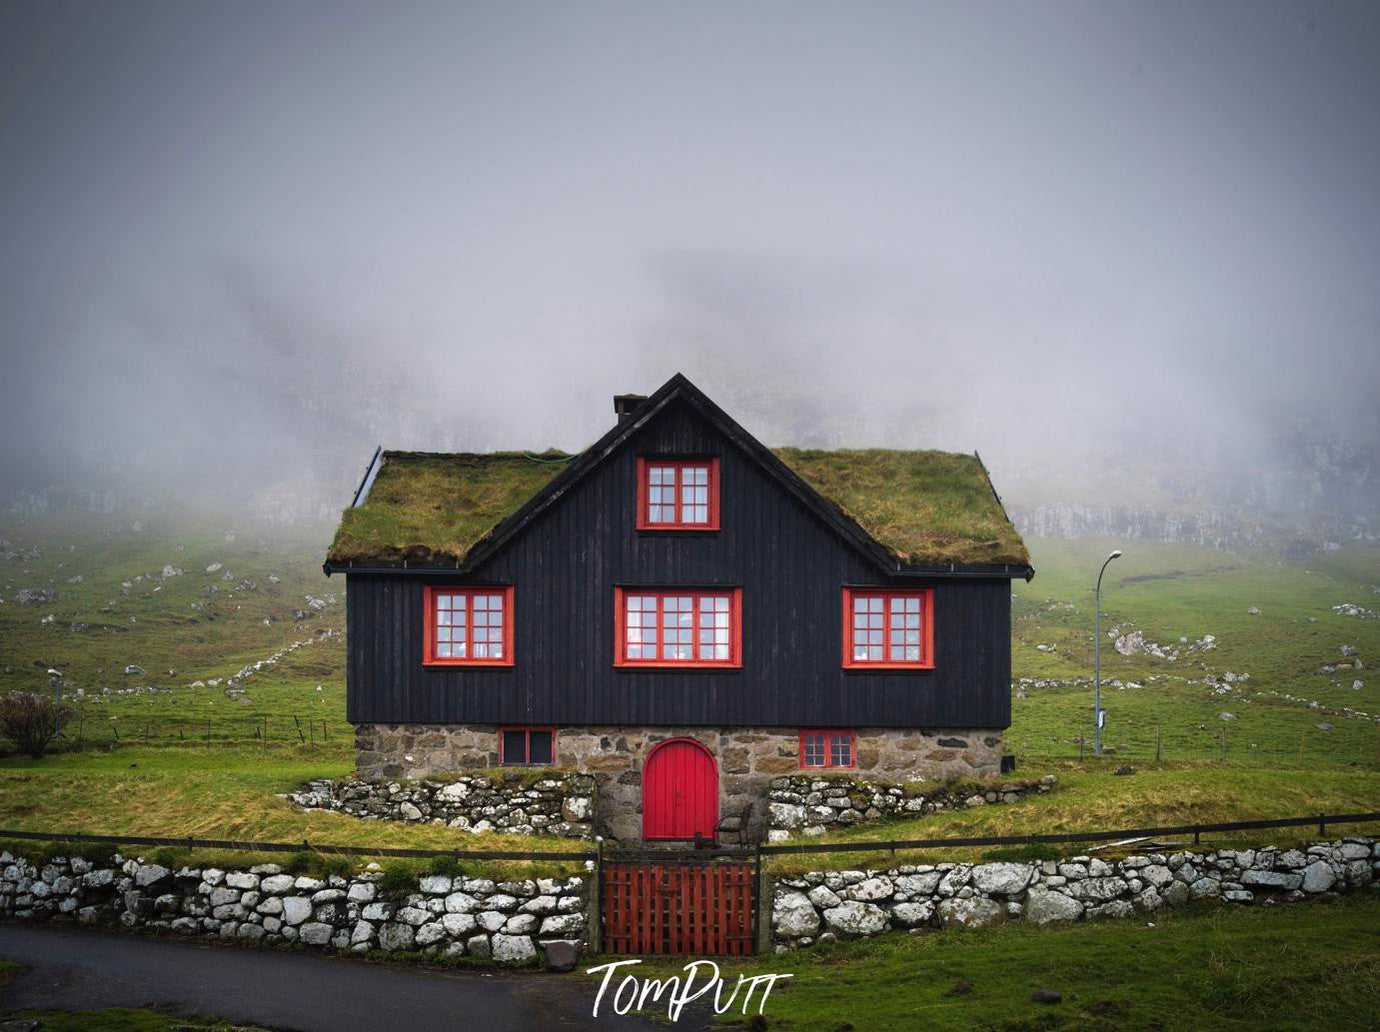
x=680, y=791
x=699, y=909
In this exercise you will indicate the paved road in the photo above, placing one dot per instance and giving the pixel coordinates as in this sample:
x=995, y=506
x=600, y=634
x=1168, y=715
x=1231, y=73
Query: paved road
x=78, y=969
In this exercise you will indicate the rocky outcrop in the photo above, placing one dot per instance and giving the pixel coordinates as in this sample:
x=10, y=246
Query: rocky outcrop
x=446, y=916
x=826, y=905
x=811, y=804
x=508, y=801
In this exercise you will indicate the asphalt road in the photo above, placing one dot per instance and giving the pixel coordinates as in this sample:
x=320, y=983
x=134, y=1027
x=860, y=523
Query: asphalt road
x=81, y=969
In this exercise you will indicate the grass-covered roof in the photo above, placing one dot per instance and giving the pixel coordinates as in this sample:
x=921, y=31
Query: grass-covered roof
x=427, y=507
x=926, y=507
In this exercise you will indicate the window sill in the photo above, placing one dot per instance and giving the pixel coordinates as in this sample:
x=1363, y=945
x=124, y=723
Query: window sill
x=888, y=668
x=671, y=528
x=681, y=667
x=467, y=664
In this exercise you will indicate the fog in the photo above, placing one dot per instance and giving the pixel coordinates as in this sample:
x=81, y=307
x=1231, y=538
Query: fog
x=1105, y=245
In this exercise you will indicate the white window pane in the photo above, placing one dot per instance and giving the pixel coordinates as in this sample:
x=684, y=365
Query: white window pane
x=912, y=605
x=443, y=649
x=913, y=653
x=443, y=617
x=443, y=634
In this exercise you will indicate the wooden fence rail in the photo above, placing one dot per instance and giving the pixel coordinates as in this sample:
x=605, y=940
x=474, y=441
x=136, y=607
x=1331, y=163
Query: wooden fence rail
x=293, y=847
x=1196, y=830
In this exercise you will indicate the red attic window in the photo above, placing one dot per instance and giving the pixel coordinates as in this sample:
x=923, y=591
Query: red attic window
x=469, y=626
x=678, y=628
x=888, y=630
x=821, y=749
x=677, y=494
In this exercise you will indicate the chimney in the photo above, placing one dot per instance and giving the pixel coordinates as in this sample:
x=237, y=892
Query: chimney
x=624, y=404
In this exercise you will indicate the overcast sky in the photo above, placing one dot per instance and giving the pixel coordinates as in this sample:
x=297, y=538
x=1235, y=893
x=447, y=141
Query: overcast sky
x=256, y=238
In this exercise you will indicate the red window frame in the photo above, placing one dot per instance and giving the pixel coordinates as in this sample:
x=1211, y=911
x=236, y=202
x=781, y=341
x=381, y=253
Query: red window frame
x=621, y=595
x=889, y=595
x=830, y=734
x=644, y=466
x=469, y=591
x=527, y=745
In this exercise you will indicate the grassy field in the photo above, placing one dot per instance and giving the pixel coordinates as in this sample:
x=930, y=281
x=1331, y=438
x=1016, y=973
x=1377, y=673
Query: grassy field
x=1169, y=592
x=170, y=753
x=1314, y=966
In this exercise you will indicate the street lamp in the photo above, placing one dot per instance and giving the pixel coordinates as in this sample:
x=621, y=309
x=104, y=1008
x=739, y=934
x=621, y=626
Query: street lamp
x=1097, y=659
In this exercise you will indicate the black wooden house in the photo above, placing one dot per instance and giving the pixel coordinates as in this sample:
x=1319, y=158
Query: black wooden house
x=680, y=611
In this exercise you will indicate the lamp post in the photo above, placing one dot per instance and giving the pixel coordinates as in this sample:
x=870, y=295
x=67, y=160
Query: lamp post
x=1097, y=659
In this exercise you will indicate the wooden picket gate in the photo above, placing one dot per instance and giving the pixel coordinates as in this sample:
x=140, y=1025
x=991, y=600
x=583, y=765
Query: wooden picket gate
x=694, y=908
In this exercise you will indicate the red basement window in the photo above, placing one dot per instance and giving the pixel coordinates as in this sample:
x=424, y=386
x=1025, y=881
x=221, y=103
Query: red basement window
x=526, y=746
x=821, y=749
x=678, y=628
x=677, y=494
x=888, y=630
x=469, y=626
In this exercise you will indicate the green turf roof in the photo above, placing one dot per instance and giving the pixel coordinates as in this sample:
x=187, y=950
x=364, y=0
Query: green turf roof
x=925, y=507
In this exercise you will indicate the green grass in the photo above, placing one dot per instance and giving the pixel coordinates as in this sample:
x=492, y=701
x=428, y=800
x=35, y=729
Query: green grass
x=1312, y=966
x=1173, y=591
x=224, y=794
x=173, y=630
x=122, y=1019
x=161, y=776
x=1089, y=797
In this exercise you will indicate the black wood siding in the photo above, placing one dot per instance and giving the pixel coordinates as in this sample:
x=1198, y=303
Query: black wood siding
x=790, y=566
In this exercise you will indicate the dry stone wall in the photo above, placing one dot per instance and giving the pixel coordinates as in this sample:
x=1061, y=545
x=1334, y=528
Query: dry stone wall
x=811, y=804
x=508, y=801
x=825, y=905
x=504, y=921
x=748, y=758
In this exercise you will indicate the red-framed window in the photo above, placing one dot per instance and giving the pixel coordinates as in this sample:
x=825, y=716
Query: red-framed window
x=526, y=746
x=678, y=628
x=469, y=626
x=888, y=630
x=820, y=750
x=677, y=494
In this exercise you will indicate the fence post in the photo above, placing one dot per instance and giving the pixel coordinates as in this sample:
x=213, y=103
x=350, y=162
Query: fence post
x=1322, y=825
x=299, y=729
x=594, y=917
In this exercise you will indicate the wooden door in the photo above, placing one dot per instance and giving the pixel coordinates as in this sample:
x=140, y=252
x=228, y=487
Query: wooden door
x=680, y=791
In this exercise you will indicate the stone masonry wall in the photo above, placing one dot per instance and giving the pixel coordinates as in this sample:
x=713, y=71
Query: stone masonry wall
x=747, y=758
x=507, y=921
x=507, y=800
x=822, y=906
x=811, y=804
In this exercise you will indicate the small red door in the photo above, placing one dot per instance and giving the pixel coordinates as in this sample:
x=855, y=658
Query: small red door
x=680, y=791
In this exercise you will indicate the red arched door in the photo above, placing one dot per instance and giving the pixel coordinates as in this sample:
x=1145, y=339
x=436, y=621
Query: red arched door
x=680, y=791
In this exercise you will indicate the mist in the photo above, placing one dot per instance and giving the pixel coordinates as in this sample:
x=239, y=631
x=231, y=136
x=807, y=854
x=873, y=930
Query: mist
x=1129, y=253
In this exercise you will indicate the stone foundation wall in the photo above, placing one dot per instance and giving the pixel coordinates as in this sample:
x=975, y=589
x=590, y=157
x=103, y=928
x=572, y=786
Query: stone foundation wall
x=811, y=804
x=747, y=758
x=825, y=905
x=507, y=921
x=508, y=800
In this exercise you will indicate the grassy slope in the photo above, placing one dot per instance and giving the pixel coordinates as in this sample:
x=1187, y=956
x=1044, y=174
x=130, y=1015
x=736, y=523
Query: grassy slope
x=228, y=789
x=1305, y=967
x=1173, y=591
x=172, y=629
